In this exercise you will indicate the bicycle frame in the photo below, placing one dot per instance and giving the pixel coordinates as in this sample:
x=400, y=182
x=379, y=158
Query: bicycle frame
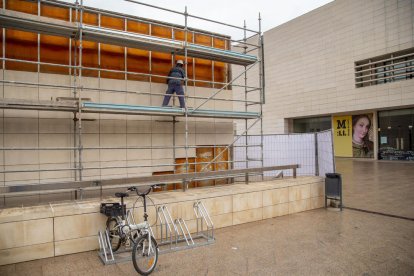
x=143, y=226
x=128, y=220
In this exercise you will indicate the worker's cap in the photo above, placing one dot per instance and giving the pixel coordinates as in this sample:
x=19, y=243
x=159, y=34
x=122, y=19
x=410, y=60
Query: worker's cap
x=180, y=62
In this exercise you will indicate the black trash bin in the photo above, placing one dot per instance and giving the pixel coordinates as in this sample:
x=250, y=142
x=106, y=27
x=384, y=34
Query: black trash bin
x=333, y=188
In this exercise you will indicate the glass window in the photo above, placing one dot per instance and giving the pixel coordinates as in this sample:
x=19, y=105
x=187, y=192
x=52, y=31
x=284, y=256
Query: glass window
x=386, y=68
x=314, y=124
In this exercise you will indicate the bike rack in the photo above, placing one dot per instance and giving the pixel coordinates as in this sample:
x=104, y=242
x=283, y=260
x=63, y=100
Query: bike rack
x=173, y=235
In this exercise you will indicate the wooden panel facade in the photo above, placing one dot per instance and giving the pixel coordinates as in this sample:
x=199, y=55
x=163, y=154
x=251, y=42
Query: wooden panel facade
x=199, y=164
x=138, y=61
x=57, y=50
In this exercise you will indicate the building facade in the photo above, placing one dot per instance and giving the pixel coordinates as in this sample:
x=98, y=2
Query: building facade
x=345, y=59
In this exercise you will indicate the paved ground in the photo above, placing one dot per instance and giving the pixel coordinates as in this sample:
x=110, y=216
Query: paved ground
x=317, y=242
x=382, y=186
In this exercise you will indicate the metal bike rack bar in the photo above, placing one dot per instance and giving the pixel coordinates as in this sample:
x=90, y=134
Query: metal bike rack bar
x=184, y=231
x=203, y=218
x=166, y=221
x=122, y=254
x=105, y=249
x=106, y=254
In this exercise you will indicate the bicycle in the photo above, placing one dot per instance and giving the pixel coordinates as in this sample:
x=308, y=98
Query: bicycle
x=145, y=248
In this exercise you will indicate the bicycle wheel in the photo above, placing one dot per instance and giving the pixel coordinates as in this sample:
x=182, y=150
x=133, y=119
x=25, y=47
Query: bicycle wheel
x=114, y=237
x=145, y=257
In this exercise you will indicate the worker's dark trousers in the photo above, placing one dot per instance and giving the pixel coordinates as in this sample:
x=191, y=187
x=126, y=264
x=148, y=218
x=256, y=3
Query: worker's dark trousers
x=178, y=89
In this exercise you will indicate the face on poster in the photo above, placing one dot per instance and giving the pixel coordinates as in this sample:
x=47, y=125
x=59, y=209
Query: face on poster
x=362, y=136
x=353, y=135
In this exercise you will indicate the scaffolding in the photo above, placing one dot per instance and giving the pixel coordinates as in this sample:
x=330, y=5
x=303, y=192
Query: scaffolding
x=77, y=31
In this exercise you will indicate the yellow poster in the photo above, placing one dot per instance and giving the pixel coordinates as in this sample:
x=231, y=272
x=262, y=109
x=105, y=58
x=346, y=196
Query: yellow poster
x=342, y=132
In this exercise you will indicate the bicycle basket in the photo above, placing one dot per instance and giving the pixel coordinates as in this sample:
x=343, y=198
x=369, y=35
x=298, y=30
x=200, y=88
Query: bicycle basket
x=112, y=209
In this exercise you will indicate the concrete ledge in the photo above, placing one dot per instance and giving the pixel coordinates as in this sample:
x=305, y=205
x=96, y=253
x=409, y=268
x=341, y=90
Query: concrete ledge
x=76, y=245
x=26, y=253
x=72, y=227
x=26, y=233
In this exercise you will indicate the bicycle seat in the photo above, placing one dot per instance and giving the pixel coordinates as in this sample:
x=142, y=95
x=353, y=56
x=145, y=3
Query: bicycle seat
x=121, y=194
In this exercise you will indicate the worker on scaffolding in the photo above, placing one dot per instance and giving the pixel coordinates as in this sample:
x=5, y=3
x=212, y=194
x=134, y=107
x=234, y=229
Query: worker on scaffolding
x=174, y=81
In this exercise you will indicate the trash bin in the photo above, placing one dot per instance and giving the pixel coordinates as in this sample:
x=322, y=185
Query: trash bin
x=333, y=188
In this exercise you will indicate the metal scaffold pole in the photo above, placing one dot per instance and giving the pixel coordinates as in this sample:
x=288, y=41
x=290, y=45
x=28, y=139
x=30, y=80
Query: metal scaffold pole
x=3, y=62
x=186, y=93
x=174, y=121
x=75, y=95
x=38, y=69
x=261, y=86
x=80, y=93
x=245, y=103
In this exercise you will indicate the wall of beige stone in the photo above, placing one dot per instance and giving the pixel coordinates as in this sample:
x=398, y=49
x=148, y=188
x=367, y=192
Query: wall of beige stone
x=31, y=128
x=309, y=61
x=64, y=228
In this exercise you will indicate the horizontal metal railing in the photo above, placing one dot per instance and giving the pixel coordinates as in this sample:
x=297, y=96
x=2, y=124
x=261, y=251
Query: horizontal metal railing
x=185, y=178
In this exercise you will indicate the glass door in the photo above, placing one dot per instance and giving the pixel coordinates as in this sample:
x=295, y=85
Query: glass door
x=396, y=135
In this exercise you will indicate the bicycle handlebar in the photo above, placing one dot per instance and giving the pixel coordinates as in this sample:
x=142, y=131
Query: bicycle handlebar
x=146, y=192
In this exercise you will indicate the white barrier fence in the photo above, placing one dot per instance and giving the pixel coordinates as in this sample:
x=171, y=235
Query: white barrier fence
x=326, y=158
x=312, y=151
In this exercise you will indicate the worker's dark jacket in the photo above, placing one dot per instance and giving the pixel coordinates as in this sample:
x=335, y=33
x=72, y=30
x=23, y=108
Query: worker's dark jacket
x=176, y=72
